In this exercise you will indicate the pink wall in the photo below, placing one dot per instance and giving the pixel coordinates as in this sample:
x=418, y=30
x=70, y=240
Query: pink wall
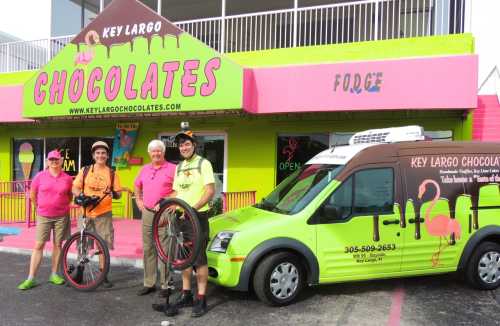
x=423, y=83
x=486, y=119
x=11, y=104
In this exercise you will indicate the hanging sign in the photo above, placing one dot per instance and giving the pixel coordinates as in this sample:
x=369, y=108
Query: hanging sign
x=125, y=136
x=130, y=60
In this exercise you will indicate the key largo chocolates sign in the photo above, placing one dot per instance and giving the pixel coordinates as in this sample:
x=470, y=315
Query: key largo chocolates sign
x=131, y=60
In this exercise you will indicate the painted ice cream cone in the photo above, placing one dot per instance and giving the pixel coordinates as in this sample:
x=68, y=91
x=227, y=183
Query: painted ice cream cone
x=26, y=158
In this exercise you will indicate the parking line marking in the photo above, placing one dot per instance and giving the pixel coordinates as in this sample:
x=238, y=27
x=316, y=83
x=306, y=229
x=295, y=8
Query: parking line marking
x=396, y=305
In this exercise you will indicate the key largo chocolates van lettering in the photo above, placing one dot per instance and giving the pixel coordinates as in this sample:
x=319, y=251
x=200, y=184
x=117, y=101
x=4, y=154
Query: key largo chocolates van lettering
x=389, y=204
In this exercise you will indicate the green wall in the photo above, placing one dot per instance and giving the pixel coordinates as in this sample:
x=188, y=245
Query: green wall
x=16, y=78
x=251, y=141
x=372, y=50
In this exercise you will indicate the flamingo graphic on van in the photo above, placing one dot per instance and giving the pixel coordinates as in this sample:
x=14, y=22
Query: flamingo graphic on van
x=440, y=225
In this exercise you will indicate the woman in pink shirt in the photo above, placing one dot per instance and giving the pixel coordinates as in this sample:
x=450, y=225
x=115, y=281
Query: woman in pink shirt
x=51, y=194
x=153, y=183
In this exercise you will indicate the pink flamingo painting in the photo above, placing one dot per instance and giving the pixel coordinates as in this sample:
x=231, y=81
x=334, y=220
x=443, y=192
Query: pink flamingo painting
x=85, y=57
x=439, y=225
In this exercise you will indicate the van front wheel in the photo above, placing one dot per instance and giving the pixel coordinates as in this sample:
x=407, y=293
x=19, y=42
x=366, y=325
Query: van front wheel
x=483, y=270
x=278, y=279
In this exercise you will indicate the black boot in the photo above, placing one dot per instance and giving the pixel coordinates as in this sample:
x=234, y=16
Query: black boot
x=107, y=283
x=76, y=274
x=185, y=300
x=199, y=307
x=168, y=309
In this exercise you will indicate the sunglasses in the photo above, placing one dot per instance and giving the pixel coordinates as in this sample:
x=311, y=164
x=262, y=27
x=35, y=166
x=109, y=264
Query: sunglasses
x=53, y=159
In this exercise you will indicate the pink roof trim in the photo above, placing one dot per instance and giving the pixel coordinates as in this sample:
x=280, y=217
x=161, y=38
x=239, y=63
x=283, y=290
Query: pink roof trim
x=11, y=104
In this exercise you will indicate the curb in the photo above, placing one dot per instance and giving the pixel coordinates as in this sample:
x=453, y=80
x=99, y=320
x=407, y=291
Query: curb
x=115, y=261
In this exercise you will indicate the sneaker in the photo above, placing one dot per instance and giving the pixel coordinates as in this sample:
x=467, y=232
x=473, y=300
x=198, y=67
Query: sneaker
x=199, y=308
x=107, y=283
x=27, y=284
x=169, y=310
x=185, y=300
x=56, y=279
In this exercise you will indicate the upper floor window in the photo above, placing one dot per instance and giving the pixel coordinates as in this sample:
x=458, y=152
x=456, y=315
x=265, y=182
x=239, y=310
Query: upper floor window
x=69, y=17
x=238, y=7
x=180, y=10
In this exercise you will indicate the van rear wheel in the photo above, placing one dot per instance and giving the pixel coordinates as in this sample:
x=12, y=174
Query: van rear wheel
x=483, y=270
x=279, y=278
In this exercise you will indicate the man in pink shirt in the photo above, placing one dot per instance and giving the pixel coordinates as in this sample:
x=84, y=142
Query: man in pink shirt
x=51, y=194
x=153, y=183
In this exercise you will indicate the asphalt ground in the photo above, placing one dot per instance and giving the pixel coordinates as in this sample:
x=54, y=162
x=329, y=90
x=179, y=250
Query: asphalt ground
x=437, y=300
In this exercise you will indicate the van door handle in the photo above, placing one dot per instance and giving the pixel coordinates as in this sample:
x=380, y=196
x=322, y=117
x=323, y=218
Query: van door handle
x=387, y=222
x=414, y=220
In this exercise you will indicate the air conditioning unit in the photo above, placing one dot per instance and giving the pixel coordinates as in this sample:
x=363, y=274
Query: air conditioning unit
x=388, y=135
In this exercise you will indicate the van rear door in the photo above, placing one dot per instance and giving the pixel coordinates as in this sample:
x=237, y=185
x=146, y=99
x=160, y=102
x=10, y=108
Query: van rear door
x=437, y=211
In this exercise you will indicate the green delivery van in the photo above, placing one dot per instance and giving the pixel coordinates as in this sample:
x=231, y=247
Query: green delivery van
x=389, y=204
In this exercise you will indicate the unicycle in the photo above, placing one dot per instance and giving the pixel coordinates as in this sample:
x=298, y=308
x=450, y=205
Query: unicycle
x=85, y=256
x=177, y=238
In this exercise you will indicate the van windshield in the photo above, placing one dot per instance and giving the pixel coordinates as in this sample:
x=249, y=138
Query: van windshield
x=298, y=189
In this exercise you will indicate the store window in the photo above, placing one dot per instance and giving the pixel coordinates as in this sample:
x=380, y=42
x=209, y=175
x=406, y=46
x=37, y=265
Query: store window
x=210, y=146
x=69, y=149
x=74, y=150
x=86, y=145
x=294, y=150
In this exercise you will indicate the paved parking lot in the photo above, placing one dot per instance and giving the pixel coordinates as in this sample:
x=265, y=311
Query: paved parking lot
x=441, y=300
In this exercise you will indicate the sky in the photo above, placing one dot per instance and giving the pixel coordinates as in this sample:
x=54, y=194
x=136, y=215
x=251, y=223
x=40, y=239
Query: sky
x=25, y=19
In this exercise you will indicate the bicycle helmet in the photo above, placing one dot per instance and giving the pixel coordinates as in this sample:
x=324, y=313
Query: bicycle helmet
x=185, y=133
x=99, y=144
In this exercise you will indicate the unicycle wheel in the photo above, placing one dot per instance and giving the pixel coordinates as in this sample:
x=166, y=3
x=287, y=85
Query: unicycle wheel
x=177, y=236
x=85, y=261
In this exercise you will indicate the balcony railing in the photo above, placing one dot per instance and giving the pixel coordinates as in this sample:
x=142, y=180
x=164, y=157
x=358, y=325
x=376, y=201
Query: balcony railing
x=348, y=22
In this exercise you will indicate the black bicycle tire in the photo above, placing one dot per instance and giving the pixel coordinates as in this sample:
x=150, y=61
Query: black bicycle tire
x=197, y=233
x=65, y=252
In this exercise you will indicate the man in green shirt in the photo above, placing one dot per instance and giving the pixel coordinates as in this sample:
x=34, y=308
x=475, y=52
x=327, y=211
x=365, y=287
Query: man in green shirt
x=194, y=183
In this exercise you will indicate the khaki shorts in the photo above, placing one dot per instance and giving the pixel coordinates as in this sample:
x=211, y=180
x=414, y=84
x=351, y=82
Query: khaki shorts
x=103, y=226
x=60, y=225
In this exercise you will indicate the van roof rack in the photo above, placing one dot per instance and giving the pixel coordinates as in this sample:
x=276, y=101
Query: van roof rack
x=388, y=135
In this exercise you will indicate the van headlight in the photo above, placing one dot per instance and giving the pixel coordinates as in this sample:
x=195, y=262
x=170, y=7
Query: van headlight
x=221, y=241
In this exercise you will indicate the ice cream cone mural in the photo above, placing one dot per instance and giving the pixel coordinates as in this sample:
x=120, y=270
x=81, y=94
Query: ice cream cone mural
x=26, y=158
